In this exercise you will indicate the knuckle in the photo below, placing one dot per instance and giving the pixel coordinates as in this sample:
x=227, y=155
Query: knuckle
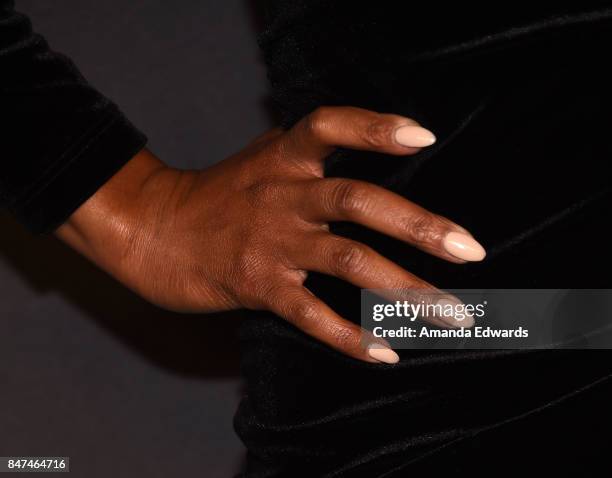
x=316, y=122
x=303, y=311
x=424, y=229
x=263, y=193
x=349, y=197
x=378, y=133
x=343, y=337
x=248, y=271
x=349, y=258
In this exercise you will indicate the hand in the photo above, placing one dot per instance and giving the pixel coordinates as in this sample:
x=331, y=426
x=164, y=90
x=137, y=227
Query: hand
x=244, y=232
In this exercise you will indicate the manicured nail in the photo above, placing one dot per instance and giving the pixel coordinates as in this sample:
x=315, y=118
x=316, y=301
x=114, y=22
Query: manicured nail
x=464, y=246
x=414, y=136
x=454, y=314
x=382, y=354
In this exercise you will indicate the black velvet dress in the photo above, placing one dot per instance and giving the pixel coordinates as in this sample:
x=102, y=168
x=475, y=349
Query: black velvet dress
x=520, y=98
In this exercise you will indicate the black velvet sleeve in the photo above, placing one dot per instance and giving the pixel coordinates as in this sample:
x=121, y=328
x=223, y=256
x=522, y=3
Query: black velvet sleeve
x=60, y=139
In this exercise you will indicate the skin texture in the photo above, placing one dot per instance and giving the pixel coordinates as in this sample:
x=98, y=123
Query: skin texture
x=244, y=232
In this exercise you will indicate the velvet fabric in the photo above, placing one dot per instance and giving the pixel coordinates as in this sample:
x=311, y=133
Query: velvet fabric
x=519, y=96
x=60, y=138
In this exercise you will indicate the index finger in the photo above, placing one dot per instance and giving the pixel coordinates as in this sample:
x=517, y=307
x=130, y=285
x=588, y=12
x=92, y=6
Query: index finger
x=316, y=136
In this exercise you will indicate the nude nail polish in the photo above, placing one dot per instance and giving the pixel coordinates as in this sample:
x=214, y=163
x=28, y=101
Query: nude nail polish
x=464, y=246
x=454, y=320
x=382, y=354
x=414, y=136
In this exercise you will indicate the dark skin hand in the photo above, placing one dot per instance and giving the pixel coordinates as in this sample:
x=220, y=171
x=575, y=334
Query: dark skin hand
x=244, y=232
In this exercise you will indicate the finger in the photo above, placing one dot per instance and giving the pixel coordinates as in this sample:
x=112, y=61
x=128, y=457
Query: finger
x=315, y=136
x=386, y=212
x=301, y=308
x=363, y=267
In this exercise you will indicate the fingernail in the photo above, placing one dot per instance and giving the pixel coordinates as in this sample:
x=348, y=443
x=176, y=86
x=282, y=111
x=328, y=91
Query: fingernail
x=464, y=246
x=382, y=354
x=414, y=136
x=454, y=313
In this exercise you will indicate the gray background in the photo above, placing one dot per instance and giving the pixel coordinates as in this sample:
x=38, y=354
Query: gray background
x=88, y=370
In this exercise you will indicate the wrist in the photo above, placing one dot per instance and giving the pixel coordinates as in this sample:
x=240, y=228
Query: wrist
x=103, y=227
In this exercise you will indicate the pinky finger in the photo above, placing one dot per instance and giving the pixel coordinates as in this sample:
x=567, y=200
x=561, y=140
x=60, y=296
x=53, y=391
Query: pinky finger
x=300, y=307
